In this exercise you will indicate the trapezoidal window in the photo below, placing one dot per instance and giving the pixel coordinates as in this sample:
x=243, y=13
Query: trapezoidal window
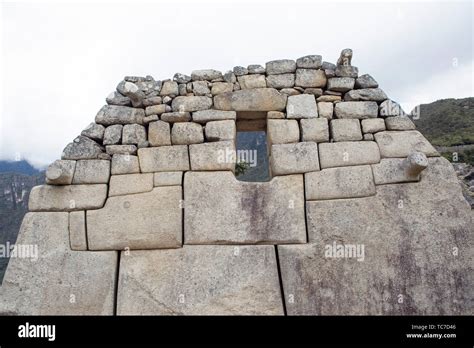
x=252, y=153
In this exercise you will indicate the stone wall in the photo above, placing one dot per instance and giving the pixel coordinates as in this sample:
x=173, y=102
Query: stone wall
x=152, y=179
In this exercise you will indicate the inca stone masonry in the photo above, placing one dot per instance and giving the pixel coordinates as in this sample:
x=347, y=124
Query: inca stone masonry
x=141, y=215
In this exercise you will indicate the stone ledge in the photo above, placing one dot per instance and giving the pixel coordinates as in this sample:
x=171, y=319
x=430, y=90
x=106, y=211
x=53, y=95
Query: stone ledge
x=351, y=153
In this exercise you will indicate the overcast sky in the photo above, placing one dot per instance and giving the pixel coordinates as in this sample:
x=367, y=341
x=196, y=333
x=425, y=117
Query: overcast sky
x=60, y=61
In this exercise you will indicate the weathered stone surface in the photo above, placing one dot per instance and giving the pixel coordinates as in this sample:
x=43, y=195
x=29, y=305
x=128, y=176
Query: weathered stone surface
x=301, y=106
x=219, y=155
x=124, y=164
x=309, y=62
x=407, y=251
x=169, y=88
x=366, y=94
x=44, y=286
x=191, y=103
x=157, y=109
x=281, y=66
x=341, y=182
x=329, y=98
x=399, y=123
x=310, y=78
x=281, y=81
x=369, y=136
x=177, y=116
x=325, y=109
x=200, y=280
x=221, y=87
x=356, y=109
x=230, y=77
x=167, y=178
x=257, y=99
x=201, y=88
x=366, y=81
x=350, y=153
x=220, y=209
x=150, y=220
x=159, y=133
x=112, y=114
x=328, y=66
x=256, y=69
x=67, y=198
x=206, y=74
x=181, y=78
x=393, y=170
x=204, y=116
x=401, y=144
x=317, y=92
x=113, y=134
x=164, y=158
x=282, y=132
x=373, y=125
x=347, y=71
x=92, y=172
x=275, y=115
x=252, y=81
x=152, y=101
x=121, y=149
x=60, y=172
x=220, y=130
x=345, y=130
x=81, y=148
x=341, y=84
x=289, y=91
x=116, y=98
x=314, y=129
x=133, y=134
x=94, y=131
x=294, y=158
x=185, y=133
x=240, y=70
x=390, y=108
x=130, y=183
x=77, y=230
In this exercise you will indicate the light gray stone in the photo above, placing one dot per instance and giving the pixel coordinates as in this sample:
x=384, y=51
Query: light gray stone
x=77, y=230
x=275, y=115
x=219, y=155
x=157, y=109
x=133, y=134
x=92, y=172
x=221, y=87
x=205, y=74
x=81, y=148
x=309, y=62
x=282, y=132
x=310, y=78
x=257, y=99
x=356, y=109
x=402, y=143
x=116, y=98
x=398, y=123
x=341, y=84
x=121, y=149
x=301, y=106
x=150, y=220
x=164, y=158
x=201, y=88
x=373, y=125
x=252, y=81
x=167, y=179
x=185, y=133
x=113, y=134
x=177, y=116
x=366, y=81
x=181, y=78
x=394, y=170
x=204, y=116
x=341, y=182
x=191, y=103
x=281, y=81
x=130, y=183
x=369, y=137
x=328, y=66
x=67, y=198
x=159, y=133
x=152, y=101
x=222, y=210
x=325, y=109
x=240, y=70
x=294, y=158
x=314, y=129
x=329, y=98
x=346, y=130
x=281, y=66
x=124, y=164
x=347, y=71
x=94, y=131
x=60, y=172
x=290, y=91
x=230, y=77
x=205, y=280
x=169, y=88
x=220, y=130
x=256, y=69
x=366, y=94
x=112, y=114
x=351, y=153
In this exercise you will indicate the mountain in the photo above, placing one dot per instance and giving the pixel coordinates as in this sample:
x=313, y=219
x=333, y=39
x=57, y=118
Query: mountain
x=22, y=167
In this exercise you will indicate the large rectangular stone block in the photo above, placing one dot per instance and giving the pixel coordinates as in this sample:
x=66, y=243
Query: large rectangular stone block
x=113, y=114
x=402, y=143
x=257, y=99
x=150, y=220
x=356, y=109
x=350, y=153
x=130, y=183
x=392, y=170
x=222, y=210
x=294, y=158
x=219, y=155
x=92, y=172
x=164, y=158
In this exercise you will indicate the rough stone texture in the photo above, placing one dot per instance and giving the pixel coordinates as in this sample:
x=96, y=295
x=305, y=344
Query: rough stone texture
x=301, y=106
x=133, y=134
x=219, y=155
x=167, y=178
x=314, y=129
x=213, y=115
x=92, y=172
x=191, y=103
x=150, y=220
x=310, y=78
x=294, y=158
x=121, y=149
x=373, y=125
x=366, y=81
x=67, y=198
x=256, y=69
x=112, y=114
x=60, y=172
x=282, y=132
x=181, y=78
x=159, y=133
x=45, y=286
x=346, y=130
x=164, y=158
x=258, y=99
x=157, y=109
x=275, y=115
x=77, y=230
x=220, y=209
x=350, y=153
x=356, y=109
x=185, y=133
x=94, y=131
x=393, y=170
x=169, y=88
x=130, y=183
x=281, y=81
x=325, y=109
x=221, y=87
x=347, y=71
x=177, y=116
x=81, y=148
x=408, y=252
x=206, y=74
x=113, y=134
x=369, y=136
x=309, y=62
x=329, y=98
x=124, y=164
x=252, y=81
x=398, y=123
x=201, y=88
x=116, y=98
x=390, y=108
x=366, y=94
x=342, y=182
x=197, y=280
x=281, y=66
x=220, y=130
x=401, y=144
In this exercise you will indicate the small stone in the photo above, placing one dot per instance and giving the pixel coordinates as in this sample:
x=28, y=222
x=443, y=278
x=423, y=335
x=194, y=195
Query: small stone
x=169, y=88
x=219, y=155
x=133, y=134
x=159, y=133
x=152, y=101
x=200, y=88
x=366, y=81
x=193, y=103
x=77, y=230
x=345, y=57
x=275, y=115
x=366, y=94
x=328, y=66
x=327, y=92
x=317, y=92
x=121, y=149
x=347, y=71
x=294, y=158
x=325, y=109
x=350, y=153
x=150, y=118
x=94, y=131
x=221, y=87
x=310, y=78
x=330, y=73
x=182, y=89
x=329, y=98
x=230, y=77
x=81, y=148
x=290, y=91
x=115, y=98
x=356, y=109
x=281, y=81
x=167, y=179
x=301, y=106
x=369, y=137
x=252, y=81
x=130, y=183
x=185, y=133
x=373, y=125
x=220, y=130
x=92, y=172
x=157, y=109
x=113, y=134
x=281, y=66
x=314, y=129
x=390, y=108
x=309, y=62
x=181, y=78
x=256, y=69
x=124, y=164
x=112, y=114
x=399, y=123
x=206, y=74
x=240, y=70
x=177, y=116
x=164, y=158
x=132, y=91
x=60, y=172
x=282, y=132
x=346, y=130
x=341, y=84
